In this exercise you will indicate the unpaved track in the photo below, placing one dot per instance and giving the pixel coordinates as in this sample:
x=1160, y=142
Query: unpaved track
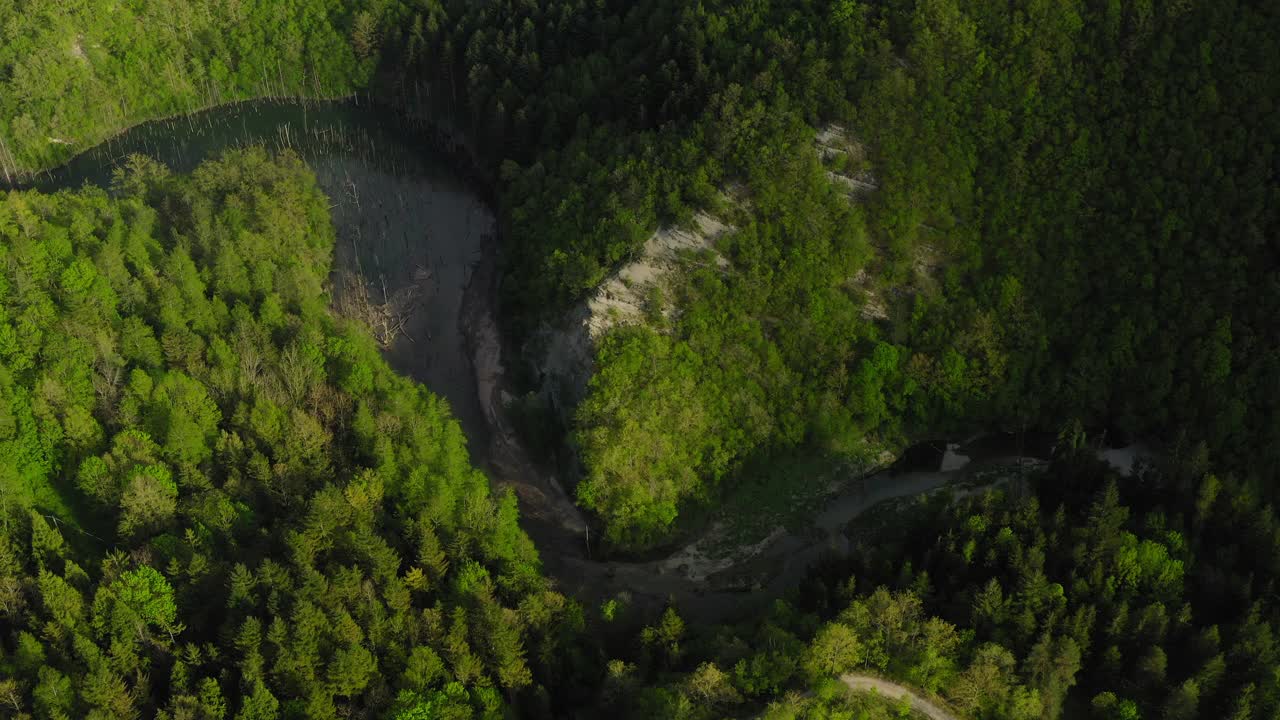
x=866, y=683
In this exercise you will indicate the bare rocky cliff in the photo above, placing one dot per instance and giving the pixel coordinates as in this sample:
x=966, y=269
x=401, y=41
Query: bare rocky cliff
x=564, y=353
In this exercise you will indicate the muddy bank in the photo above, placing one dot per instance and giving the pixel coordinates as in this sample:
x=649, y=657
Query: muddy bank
x=705, y=585
x=709, y=586
x=414, y=225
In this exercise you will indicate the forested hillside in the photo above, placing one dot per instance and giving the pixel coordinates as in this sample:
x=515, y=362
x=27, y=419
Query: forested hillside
x=1125, y=598
x=1075, y=219
x=218, y=500
x=1089, y=188
x=74, y=73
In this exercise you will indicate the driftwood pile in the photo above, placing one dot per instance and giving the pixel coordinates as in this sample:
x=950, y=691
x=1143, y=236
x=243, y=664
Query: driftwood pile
x=385, y=313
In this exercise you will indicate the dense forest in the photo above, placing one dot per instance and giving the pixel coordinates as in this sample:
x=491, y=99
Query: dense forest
x=1121, y=597
x=1074, y=218
x=72, y=75
x=217, y=500
x=218, y=497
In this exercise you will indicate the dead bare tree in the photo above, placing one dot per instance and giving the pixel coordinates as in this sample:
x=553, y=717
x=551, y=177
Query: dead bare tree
x=106, y=380
x=387, y=319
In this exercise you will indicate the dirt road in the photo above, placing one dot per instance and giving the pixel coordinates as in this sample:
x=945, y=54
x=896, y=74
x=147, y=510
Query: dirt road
x=866, y=683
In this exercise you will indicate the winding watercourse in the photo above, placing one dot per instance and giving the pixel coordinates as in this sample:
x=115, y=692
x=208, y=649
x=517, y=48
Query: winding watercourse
x=414, y=234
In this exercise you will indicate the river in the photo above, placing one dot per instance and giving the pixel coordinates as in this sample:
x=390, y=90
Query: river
x=409, y=226
x=406, y=221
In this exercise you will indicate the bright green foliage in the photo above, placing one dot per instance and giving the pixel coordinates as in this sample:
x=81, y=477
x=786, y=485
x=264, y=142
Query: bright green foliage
x=747, y=366
x=831, y=700
x=72, y=74
x=181, y=370
x=1009, y=605
x=139, y=602
x=1135, y=594
x=1052, y=232
x=665, y=637
x=449, y=703
x=1106, y=706
x=1071, y=218
x=1074, y=216
x=836, y=649
x=646, y=453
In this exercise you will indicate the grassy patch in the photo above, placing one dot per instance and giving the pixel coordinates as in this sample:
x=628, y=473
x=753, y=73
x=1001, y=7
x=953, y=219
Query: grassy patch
x=784, y=490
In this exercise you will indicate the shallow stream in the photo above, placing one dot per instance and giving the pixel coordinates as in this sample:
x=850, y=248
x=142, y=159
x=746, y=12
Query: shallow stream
x=409, y=226
x=406, y=221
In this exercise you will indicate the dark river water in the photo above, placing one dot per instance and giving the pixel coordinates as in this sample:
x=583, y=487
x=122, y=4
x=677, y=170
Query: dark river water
x=406, y=221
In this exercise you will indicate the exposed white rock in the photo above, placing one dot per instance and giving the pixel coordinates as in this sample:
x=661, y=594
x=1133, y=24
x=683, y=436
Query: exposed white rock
x=569, y=355
x=833, y=142
x=873, y=305
x=624, y=296
x=1126, y=458
x=566, y=360
x=952, y=460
